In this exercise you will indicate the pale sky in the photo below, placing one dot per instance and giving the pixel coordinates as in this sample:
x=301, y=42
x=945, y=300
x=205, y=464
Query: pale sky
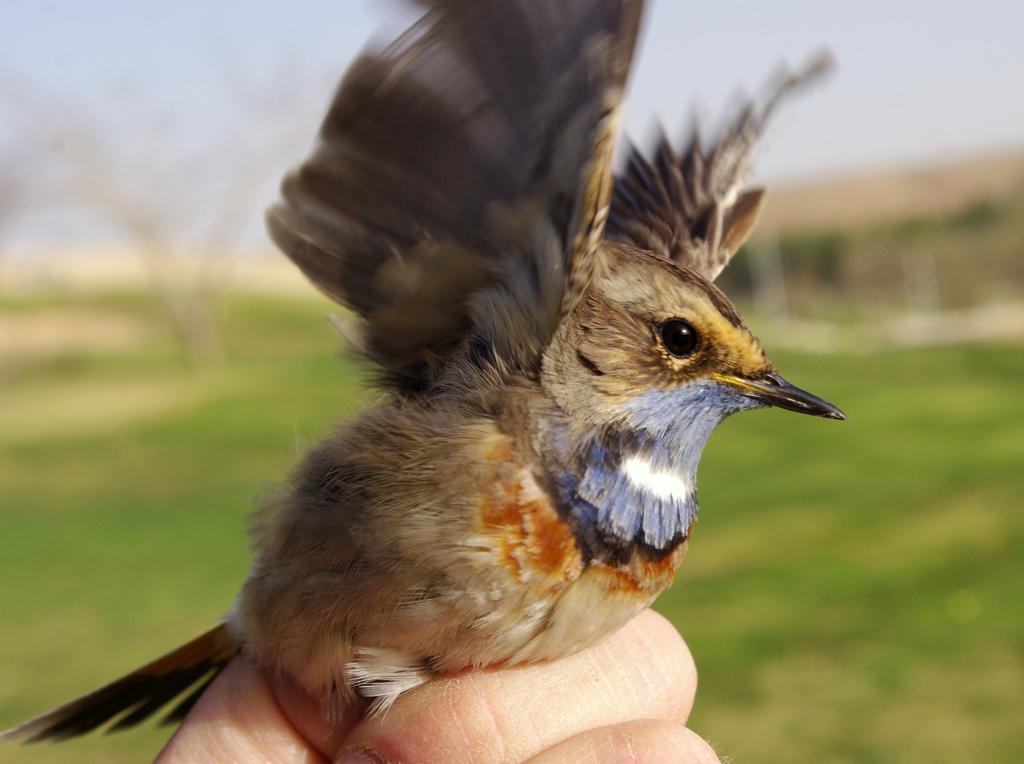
x=917, y=81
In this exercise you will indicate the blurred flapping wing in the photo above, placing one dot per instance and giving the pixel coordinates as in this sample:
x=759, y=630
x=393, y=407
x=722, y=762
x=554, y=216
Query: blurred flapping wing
x=689, y=206
x=473, y=155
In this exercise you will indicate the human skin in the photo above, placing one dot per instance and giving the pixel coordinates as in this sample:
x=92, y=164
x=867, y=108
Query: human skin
x=626, y=698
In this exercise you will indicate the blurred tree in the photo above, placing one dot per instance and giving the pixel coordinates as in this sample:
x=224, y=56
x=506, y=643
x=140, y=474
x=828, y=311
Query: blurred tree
x=768, y=277
x=181, y=211
x=14, y=184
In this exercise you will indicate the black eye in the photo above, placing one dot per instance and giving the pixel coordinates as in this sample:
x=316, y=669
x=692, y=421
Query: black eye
x=679, y=336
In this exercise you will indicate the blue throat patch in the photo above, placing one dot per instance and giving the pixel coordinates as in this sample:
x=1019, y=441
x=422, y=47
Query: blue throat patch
x=636, y=486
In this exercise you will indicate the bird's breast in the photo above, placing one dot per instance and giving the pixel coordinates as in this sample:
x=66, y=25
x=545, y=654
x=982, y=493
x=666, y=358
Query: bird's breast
x=557, y=599
x=537, y=546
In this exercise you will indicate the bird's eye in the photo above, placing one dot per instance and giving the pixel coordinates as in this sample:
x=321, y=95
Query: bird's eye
x=679, y=337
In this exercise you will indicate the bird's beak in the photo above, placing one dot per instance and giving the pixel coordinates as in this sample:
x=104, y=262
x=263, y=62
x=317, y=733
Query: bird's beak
x=773, y=390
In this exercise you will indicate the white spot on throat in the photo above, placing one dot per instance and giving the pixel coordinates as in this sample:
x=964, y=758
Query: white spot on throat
x=663, y=484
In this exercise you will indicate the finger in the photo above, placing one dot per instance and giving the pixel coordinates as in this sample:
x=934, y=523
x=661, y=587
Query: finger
x=510, y=714
x=238, y=719
x=307, y=715
x=645, y=742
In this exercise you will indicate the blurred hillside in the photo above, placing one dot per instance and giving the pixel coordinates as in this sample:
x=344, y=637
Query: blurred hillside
x=917, y=256
x=897, y=251
x=873, y=198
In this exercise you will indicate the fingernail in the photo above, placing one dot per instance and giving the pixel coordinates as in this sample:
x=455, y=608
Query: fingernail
x=361, y=756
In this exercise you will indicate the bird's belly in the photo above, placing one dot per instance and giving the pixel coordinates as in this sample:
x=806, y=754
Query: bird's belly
x=553, y=601
x=600, y=601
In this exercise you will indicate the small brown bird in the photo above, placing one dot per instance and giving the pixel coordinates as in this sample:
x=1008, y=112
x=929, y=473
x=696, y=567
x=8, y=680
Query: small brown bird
x=555, y=352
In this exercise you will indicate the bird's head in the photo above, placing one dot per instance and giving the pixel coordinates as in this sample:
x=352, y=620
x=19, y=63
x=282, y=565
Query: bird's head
x=652, y=343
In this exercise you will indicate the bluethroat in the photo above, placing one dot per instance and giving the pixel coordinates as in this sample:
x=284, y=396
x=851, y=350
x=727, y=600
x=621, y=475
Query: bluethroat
x=554, y=351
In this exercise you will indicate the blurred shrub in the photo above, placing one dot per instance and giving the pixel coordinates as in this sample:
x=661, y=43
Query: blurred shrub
x=972, y=256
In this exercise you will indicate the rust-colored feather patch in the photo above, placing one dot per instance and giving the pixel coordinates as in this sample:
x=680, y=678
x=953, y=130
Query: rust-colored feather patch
x=532, y=542
x=641, y=575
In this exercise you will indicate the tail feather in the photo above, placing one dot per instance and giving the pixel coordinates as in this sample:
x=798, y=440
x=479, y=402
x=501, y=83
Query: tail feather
x=136, y=696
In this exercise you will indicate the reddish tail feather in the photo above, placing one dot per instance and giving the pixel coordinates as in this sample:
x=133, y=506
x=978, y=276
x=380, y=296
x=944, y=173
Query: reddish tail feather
x=133, y=698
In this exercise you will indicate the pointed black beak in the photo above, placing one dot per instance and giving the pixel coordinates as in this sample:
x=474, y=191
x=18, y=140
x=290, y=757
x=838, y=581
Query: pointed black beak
x=773, y=390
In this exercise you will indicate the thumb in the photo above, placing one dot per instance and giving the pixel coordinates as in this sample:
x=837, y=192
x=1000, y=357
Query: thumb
x=246, y=717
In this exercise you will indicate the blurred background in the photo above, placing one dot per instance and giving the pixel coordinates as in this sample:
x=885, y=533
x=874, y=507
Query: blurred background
x=854, y=593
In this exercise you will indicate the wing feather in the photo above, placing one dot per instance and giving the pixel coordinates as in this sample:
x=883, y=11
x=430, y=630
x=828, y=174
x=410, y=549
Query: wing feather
x=688, y=206
x=446, y=157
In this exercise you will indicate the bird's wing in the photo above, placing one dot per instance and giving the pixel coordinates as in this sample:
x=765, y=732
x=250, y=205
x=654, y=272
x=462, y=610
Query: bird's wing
x=475, y=146
x=689, y=205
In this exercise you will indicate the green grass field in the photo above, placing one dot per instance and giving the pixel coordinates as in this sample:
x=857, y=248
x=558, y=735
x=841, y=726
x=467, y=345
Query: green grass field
x=854, y=592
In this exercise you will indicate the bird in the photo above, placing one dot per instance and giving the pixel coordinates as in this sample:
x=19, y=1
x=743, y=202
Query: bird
x=554, y=354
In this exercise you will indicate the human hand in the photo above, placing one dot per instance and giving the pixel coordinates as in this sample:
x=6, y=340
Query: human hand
x=625, y=699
